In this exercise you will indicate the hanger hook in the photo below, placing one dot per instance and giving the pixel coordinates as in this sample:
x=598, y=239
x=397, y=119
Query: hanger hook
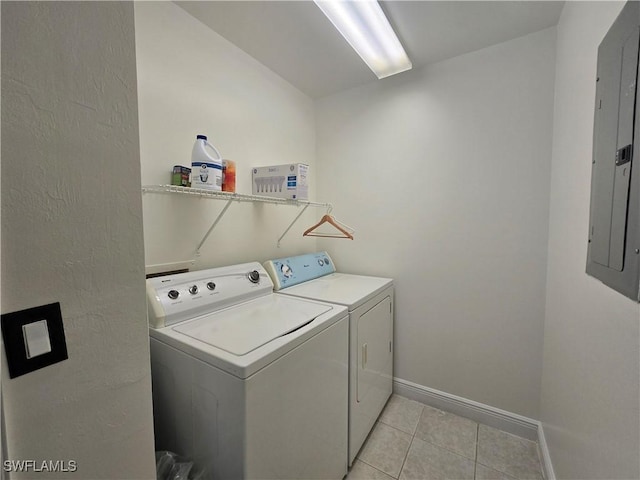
x=329, y=208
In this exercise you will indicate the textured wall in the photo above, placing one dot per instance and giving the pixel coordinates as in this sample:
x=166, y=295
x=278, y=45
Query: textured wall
x=591, y=372
x=72, y=232
x=444, y=173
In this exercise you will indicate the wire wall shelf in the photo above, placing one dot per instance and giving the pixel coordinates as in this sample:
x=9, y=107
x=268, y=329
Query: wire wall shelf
x=234, y=197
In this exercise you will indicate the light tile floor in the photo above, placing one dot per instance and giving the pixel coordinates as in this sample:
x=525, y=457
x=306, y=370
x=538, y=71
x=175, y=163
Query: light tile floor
x=412, y=441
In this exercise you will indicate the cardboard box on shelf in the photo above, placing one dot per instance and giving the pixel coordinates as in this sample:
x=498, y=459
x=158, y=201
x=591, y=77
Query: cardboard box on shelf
x=281, y=181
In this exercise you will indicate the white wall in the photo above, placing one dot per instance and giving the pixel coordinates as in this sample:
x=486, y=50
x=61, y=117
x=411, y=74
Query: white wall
x=444, y=172
x=192, y=81
x=591, y=372
x=2, y=442
x=72, y=232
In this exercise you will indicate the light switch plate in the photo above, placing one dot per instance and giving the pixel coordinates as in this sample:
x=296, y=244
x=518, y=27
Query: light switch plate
x=36, y=338
x=33, y=338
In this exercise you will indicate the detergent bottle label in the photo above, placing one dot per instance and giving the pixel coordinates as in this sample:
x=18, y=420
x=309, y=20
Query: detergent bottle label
x=206, y=174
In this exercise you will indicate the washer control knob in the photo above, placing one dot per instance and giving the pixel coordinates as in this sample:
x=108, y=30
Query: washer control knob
x=173, y=294
x=193, y=289
x=211, y=286
x=254, y=277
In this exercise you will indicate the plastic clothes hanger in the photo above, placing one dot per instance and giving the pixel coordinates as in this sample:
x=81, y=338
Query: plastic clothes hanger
x=345, y=230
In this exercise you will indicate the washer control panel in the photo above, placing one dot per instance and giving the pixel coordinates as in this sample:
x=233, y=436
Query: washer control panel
x=175, y=298
x=289, y=271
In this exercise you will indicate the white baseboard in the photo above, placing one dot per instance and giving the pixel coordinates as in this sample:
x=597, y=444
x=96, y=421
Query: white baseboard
x=479, y=412
x=494, y=417
x=545, y=458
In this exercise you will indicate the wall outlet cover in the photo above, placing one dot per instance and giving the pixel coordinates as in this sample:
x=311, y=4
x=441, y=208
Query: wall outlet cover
x=15, y=347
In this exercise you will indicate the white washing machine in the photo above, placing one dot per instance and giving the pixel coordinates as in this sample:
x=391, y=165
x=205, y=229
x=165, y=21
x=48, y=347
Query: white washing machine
x=370, y=304
x=247, y=383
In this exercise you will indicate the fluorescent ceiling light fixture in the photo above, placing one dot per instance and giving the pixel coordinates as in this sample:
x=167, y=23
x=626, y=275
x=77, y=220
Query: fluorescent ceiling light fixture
x=363, y=24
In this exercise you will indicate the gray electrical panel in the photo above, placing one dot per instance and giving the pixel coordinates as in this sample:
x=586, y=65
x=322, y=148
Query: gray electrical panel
x=614, y=225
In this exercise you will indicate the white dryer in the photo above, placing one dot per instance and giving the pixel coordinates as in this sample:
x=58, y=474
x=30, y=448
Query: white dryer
x=370, y=304
x=247, y=383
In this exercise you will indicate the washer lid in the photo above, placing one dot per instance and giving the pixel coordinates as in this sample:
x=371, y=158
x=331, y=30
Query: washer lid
x=244, y=328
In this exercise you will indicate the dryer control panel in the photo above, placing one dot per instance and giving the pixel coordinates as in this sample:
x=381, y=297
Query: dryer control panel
x=289, y=271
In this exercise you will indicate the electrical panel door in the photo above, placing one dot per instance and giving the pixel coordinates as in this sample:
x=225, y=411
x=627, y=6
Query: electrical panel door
x=614, y=219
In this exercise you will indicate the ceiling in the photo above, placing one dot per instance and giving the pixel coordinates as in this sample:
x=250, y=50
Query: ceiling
x=295, y=39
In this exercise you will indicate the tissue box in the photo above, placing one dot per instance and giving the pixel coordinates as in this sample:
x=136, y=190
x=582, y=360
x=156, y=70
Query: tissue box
x=282, y=181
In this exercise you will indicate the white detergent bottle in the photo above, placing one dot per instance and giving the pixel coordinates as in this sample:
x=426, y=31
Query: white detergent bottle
x=206, y=165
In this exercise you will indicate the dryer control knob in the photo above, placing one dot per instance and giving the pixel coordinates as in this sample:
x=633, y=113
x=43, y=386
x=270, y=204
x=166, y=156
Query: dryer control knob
x=193, y=289
x=254, y=277
x=286, y=270
x=173, y=294
x=211, y=286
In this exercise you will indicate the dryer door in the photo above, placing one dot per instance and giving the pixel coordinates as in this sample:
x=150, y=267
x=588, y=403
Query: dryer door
x=375, y=351
x=372, y=353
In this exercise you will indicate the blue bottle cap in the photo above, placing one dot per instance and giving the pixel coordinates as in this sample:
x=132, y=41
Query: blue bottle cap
x=203, y=137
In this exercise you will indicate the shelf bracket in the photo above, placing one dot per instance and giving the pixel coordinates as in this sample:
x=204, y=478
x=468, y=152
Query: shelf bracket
x=292, y=223
x=206, y=235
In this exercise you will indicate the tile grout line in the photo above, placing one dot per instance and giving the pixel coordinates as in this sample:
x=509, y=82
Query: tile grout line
x=476, y=462
x=447, y=449
x=413, y=436
x=441, y=447
x=499, y=468
x=375, y=468
x=405, y=457
x=415, y=431
x=361, y=448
